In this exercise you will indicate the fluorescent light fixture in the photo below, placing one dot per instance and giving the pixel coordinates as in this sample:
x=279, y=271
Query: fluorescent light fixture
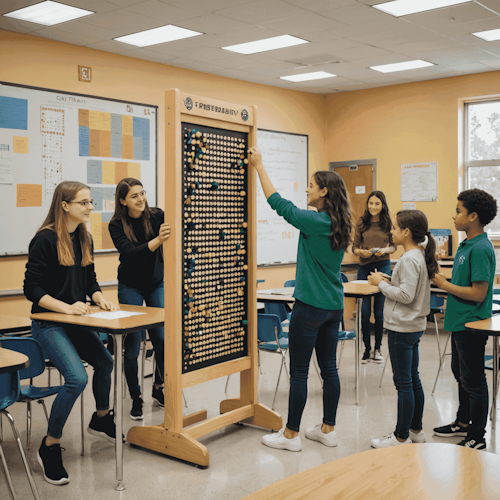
x=162, y=34
x=403, y=66
x=305, y=77
x=276, y=42
x=404, y=7
x=49, y=13
x=489, y=35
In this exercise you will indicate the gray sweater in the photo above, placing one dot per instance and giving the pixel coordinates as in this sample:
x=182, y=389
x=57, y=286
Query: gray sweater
x=408, y=297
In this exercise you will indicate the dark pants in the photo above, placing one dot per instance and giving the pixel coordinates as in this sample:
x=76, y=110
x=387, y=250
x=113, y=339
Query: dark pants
x=467, y=364
x=378, y=304
x=313, y=328
x=403, y=349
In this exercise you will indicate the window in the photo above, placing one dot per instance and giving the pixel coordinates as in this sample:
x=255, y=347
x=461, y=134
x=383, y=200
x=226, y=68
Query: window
x=482, y=152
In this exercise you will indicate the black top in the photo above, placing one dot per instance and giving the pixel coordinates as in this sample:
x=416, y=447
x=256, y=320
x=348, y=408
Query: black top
x=139, y=266
x=45, y=276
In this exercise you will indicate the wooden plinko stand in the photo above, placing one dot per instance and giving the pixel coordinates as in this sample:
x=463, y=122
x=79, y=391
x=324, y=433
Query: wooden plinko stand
x=210, y=271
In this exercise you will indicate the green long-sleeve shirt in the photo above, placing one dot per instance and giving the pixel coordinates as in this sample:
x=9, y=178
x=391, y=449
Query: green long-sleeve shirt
x=317, y=281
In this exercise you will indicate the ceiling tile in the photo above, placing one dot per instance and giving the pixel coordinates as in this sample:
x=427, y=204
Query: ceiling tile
x=470, y=68
x=494, y=5
x=167, y=14
x=359, y=53
x=148, y=55
x=201, y=6
x=111, y=46
x=123, y=21
x=194, y=65
x=319, y=5
x=238, y=61
x=492, y=63
x=261, y=11
x=415, y=49
x=124, y=3
x=306, y=22
x=83, y=29
x=64, y=36
x=97, y=6
x=7, y=6
x=18, y=26
x=214, y=24
x=355, y=14
x=240, y=36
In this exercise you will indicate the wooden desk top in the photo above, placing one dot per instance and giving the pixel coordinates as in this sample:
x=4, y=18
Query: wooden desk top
x=434, y=471
x=13, y=324
x=11, y=361
x=152, y=317
x=490, y=326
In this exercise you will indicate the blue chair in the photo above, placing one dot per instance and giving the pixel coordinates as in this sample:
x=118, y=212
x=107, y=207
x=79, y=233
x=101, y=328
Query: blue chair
x=278, y=309
x=289, y=283
x=272, y=339
x=9, y=393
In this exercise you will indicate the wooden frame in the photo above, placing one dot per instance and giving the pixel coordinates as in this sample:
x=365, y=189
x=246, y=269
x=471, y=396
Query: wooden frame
x=173, y=438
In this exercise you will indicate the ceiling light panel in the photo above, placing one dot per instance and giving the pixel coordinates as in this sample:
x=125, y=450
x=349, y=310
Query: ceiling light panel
x=305, y=77
x=403, y=66
x=276, y=42
x=48, y=13
x=154, y=36
x=489, y=35
x=400, y=8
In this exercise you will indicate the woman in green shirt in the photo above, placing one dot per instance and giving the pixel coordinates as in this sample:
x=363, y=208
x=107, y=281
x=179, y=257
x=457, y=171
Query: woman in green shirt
x=319, y=297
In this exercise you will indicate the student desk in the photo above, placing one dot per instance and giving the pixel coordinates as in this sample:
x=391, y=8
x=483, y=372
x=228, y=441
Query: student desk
x=11, y=361
x=432, y=471
x=490, y=327
x=151, y=317
x=14, y=324
x=356, y=290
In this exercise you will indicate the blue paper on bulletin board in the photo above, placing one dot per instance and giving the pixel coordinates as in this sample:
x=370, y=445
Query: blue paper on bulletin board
x=13, y=113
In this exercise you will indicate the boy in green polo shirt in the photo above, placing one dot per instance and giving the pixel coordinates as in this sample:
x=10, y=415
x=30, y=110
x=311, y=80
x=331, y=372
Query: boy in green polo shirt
x=470, y=299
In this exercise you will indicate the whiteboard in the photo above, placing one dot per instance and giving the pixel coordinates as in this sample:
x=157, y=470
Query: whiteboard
x=47, y=136
x=285, y=157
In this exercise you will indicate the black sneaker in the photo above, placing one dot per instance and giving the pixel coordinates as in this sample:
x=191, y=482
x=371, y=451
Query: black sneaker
x=366, y=357
x=450, y=430
x=158, y=395
x=50, y=459
x=473, y=443
x=136, y=411
x=104, y=427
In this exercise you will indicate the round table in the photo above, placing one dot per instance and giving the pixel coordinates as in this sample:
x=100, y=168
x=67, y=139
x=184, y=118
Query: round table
x=11, y=361
x=408, y=472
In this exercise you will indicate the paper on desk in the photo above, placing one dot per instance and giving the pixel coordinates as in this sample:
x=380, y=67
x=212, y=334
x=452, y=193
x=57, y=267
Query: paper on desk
x=359, y=281
x=113, y=314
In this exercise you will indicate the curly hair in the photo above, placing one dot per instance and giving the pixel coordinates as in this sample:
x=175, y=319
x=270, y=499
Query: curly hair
x=336, y=204
x=480, y=202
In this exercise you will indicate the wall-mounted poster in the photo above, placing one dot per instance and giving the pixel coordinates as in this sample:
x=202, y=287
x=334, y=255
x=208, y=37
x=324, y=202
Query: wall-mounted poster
x=419, y=181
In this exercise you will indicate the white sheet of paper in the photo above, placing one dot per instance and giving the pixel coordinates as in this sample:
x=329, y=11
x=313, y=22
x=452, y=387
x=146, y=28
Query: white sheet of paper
x=359, y=281
x=113, y=314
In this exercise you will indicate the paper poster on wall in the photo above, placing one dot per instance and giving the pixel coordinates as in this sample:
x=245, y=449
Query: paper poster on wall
x=419, y=181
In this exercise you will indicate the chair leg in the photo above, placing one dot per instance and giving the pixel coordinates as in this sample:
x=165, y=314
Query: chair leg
x=185, y=400
x=27, y=466
x=143, y=364
x=28, y=425
x=42, y=402
x=388, y=359
x=82, y=422
x=7, y=474
x=277, y=383
x=437, y=335
x=227, y=385
x=341, y=351
x=441, y=362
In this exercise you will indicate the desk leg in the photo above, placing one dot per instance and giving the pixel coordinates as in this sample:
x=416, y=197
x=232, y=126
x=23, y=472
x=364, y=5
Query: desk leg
x=495, y=382
x=358, y=344
x=118, y=343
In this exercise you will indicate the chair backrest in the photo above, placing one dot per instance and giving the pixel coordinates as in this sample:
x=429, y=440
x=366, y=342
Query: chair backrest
x=9, y=389
x=289, y=283
x=266, y=323
x=343, y=277
x=276, y=308
x=436, y=301
x=31, y=348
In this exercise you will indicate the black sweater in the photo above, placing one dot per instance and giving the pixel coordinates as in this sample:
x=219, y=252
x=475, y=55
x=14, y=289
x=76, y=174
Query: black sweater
x=45, y=276
x=139, y=267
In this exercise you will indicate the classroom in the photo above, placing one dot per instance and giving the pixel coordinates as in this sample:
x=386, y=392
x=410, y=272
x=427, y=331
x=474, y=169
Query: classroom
x=413, y=117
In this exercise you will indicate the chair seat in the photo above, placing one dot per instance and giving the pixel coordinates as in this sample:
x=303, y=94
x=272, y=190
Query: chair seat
x=273, y=346
x=30, y=393
x=347, y=334
x=488, y=361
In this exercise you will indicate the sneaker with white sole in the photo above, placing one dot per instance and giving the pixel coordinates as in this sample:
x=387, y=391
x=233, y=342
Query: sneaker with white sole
x=136, y=411
x=279, y=441
x=50, y=459
x=475, y=444
x=316, y=434
x=377, y=357
x=417, y=437
x=389, y=440
x=451, y=430
x=366, y=357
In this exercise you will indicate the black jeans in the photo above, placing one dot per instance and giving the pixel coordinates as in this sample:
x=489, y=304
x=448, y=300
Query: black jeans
x=467, y=364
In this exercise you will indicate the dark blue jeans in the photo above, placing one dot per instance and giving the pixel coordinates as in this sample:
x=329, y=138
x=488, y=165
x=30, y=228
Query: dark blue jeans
x=403, y=349
x=132, y=344
x=66, y=347
x=313, y=328
x=378, y=306
x=467, y=364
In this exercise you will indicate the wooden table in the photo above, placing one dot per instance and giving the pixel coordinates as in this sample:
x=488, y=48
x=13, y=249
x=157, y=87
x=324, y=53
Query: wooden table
x=432, y=471
x=14, y=324
x=356, y=290
x=490, y=327
x=11, y=361
x=151, y=317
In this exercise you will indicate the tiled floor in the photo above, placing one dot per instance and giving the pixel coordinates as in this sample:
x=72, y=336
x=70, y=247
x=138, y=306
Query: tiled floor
x=239, y=463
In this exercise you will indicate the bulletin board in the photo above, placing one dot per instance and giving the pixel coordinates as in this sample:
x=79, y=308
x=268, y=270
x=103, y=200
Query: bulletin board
x=48, y=136
x=285, y=157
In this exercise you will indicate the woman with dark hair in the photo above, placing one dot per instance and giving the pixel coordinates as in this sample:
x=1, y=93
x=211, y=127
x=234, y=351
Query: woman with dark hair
x=138, y=233
x=59, y=277
x=373, y=245
x=325, y=234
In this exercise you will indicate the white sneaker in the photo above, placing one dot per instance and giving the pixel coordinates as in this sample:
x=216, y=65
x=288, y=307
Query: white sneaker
x=377, y=357
x=417, y=437
x=279, y=441
x=389, y=440
x=316, y=434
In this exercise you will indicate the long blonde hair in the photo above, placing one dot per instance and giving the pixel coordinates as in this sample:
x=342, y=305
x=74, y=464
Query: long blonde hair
x=56, y=221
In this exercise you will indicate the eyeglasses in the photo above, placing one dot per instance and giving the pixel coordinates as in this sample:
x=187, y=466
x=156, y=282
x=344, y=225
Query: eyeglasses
x=84, y=204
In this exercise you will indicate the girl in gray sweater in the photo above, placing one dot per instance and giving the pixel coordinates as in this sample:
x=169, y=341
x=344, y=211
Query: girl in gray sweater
x=406, y=307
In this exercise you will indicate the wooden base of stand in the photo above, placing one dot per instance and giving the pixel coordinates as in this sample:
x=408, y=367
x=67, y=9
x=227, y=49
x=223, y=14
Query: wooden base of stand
x=184, y=445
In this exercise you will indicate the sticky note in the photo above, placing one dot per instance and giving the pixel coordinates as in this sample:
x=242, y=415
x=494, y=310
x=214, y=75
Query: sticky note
x=108, y=172
x=20, y=145
x=134, y=170
x=96, y=229
x=29, y=195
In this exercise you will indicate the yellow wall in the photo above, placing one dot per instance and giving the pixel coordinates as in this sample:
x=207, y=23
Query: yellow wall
x=45, y=63
x=410, y=123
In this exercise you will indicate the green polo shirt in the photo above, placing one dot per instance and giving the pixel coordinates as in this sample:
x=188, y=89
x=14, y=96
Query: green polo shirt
x=474, y=261
x=317, y=280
